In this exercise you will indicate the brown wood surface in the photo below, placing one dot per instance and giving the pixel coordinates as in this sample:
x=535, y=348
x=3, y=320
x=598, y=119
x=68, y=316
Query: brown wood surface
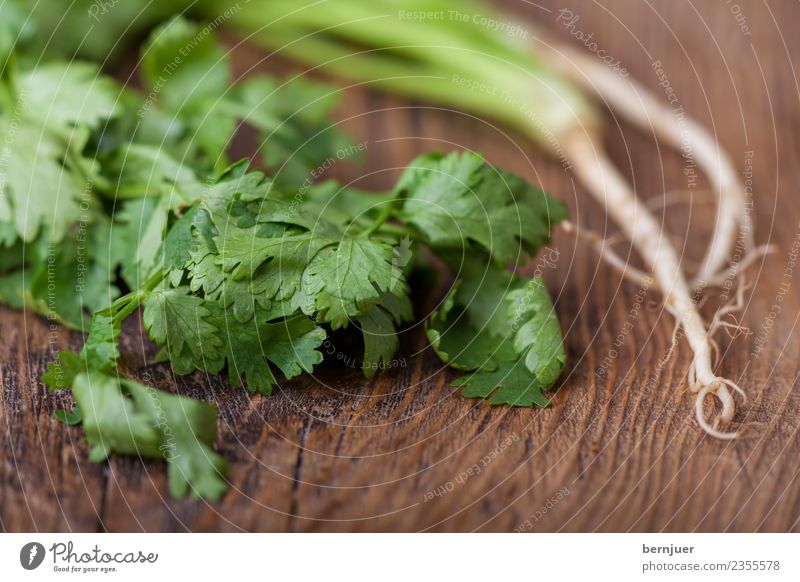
x=618, y=451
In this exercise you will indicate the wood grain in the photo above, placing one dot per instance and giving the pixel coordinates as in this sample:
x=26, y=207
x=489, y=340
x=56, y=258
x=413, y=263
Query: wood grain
x=618, y=451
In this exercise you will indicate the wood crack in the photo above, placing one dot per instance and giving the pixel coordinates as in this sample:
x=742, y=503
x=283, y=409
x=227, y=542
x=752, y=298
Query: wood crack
x=298, y=473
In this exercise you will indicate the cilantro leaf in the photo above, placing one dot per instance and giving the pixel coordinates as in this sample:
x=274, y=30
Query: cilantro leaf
x=101, y=349
x=65, y=281
x=55, y=107
x=61, y=373
x=289, y=344
x=241, y=295
x=379, y=332
x=538, y=336
x=292, y=117
x=510, y=383
x=187, y=430
x=347, y=279
x=185, y=64
x=459, y=200
x=69, y=417
x=181, y=241
x=502, y=328
x=181, y=324
x=112, y=422
x=190, y=76
x=134, y=240
x=125, y=417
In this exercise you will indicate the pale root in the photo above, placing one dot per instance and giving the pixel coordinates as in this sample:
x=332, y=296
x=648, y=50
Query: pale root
x=611, y=190
x=636, y=104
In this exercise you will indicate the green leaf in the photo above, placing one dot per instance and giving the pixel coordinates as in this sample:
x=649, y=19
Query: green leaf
x=61, y=373
x=62, y=95
x=180, y=323
x=347, y=279
x=510, y=383
x=380, y=339
x=70, y=417
x=503, y=328
x=290, y=344
x=112, y=422
x=456, y=334
x=69, y=279
x=133, y=244
x=459, y=200
x=538, y=332
x=242, y=295
x=379, y=332
x=180, y=241
x=125, y=417
x=56, y=106
x=101, y=350
x=187, y=431
x=150, y=170
x=292, y=116
x=183, y=65
x=242, y=252
x=343, y=206
x=13, y=22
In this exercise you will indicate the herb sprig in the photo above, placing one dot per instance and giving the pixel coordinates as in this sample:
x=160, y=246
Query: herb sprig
x=132, y=205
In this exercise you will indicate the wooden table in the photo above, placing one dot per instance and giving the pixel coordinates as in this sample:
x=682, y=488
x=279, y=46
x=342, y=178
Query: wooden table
x=619, y=449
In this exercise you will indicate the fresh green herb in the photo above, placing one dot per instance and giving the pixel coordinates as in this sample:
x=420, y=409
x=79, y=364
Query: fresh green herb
x=150, y=217
x=539, y=86
x=503, y=328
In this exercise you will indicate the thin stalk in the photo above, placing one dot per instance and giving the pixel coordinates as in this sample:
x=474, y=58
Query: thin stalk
x=374, y=67
x=638, y=106
x=611, y=190
x=398, y=230
x=380, y=220
x=507, y=80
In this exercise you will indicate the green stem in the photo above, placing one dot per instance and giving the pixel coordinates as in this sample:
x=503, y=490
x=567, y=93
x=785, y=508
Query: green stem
x=127, y=304
x=8, y=89
x=447, y=60
x=98, y=183
x=386, y=214
x=399, y=230
x=420, y=80
x=134, y=192
x=6, y=99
